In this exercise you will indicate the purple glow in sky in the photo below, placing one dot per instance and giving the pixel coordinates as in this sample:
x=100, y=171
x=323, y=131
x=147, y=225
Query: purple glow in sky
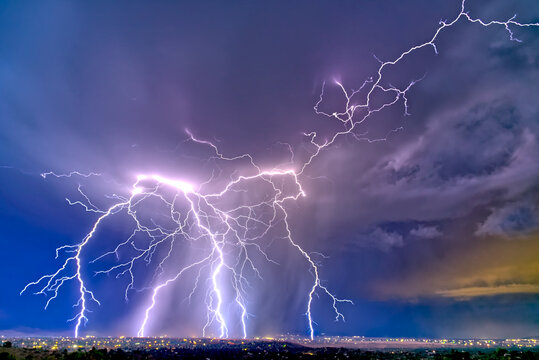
x=277, y=223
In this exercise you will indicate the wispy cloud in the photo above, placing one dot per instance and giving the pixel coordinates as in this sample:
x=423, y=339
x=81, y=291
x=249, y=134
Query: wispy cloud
x=474, y=291
x=426, y=232
x=489, y=266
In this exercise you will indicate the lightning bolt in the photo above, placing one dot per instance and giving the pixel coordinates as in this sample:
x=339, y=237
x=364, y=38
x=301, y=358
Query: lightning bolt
x=70, y=174
x=229, y=236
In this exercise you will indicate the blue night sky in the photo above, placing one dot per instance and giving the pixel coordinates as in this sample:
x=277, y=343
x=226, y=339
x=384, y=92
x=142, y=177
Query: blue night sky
x=433, y=232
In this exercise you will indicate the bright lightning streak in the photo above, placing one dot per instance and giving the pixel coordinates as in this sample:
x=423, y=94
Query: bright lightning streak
x=70, y=174
x=373, y=84
x=232, y=233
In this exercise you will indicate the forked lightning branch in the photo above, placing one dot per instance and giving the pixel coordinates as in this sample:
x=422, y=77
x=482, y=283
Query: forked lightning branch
x=229, y=232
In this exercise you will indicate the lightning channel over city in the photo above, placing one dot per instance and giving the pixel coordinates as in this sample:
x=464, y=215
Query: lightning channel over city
x=215, y=235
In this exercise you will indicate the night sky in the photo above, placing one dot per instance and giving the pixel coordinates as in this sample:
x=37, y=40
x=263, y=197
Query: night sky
x=433, y=232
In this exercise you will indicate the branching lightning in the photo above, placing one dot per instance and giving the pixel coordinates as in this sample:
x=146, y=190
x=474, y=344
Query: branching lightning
x=228, y=228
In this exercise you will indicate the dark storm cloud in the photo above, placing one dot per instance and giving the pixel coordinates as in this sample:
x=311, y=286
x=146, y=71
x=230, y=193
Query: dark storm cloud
x=111, y=87
x=381, y=239
x=513, y=218
x=470, y=152
x=426, y=232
